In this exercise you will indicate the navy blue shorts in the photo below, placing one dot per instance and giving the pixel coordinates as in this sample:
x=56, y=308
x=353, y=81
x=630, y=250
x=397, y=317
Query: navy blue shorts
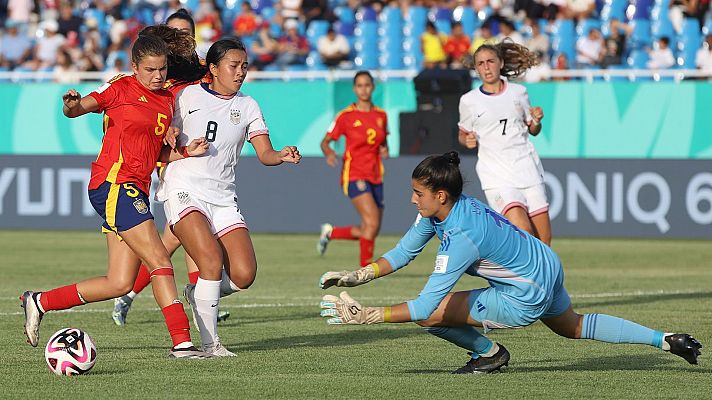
x=122, y=206
x=359, y=187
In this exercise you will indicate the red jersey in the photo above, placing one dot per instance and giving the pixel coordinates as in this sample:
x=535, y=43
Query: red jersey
x=135, y=121
x=365, y=132
x=457, y=47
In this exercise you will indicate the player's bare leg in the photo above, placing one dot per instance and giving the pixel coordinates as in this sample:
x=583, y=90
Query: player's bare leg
x=122, y=304
x=146, y=244
x=519, y=217
x=541, y=225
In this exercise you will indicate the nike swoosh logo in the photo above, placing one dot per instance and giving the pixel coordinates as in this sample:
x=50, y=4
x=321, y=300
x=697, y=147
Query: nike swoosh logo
x=213, y=305
x=478, y=115
x=192, y=111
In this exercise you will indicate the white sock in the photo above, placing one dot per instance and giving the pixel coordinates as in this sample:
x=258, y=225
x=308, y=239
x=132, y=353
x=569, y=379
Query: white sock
x=207, y=295
x=227, y=287
x=131, y=295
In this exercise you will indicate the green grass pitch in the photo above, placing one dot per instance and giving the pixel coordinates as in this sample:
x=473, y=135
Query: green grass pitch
x=285, y=350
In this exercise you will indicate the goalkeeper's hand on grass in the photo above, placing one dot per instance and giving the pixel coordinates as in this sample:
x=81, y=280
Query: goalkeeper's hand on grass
x=345, y=310
x=349, y=278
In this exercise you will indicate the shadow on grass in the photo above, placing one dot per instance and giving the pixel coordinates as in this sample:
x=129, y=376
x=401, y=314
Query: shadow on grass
x=638, y=299
x=351, y=336
x=648, y=362
x=641, y=362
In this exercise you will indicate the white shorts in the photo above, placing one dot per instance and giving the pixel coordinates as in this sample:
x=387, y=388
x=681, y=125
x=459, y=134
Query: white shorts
x=222, y=219
x=532, y=199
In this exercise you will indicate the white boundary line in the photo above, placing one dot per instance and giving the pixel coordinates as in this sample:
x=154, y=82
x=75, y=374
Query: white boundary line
x=314, y=301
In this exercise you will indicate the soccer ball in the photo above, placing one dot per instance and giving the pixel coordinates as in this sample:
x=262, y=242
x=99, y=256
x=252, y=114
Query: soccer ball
x=70, y=351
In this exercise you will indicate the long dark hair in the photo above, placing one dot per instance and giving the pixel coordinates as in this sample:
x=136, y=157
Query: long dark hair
x=183, y=63
x=440, y=172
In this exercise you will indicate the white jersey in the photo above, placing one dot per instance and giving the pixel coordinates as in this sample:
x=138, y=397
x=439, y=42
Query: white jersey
x=226, y=123
x=506, y=157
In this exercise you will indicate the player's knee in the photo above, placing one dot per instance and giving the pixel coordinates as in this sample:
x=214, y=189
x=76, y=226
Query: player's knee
x=119, y=287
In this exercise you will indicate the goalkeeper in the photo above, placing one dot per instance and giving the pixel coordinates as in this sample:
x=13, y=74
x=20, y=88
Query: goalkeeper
x=525, y=278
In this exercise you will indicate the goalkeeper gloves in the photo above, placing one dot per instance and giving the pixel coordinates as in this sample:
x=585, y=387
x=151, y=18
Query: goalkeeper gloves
x=345, y=310
x=349, y=279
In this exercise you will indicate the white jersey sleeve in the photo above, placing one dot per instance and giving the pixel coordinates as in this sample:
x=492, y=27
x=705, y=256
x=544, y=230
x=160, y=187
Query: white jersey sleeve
x=467, y=113
x=256, y=125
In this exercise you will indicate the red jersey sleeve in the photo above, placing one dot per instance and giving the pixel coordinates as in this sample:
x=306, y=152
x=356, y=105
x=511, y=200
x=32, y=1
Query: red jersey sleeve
x=335, y=130
x=109, y=94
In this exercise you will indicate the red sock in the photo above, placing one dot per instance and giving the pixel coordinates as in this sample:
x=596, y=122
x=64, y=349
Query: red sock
x=342, y=232
x=177, y=323
x=61, y=298
x=193, y=277
x=366, y=247
x=142, y=279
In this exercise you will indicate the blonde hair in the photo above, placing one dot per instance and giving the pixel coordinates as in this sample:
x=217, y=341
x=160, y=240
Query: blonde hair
x=516, y=58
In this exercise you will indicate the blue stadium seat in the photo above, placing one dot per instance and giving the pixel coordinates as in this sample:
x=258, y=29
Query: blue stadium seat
x=660, y=21
x=267, y=13
x=345, y=14
x=638, y=59
x=688, y=42
x=344, y=28
x=259, y=5
x=466, y=16
x=586, y=25
x=443, y=26
x=642, y=9
x=564, y=38
x=317, y=28
x=367, y=30
x=366, y=13
x=391, y=61
x=416, y=16
x=314, y=62
x=641, y=36
x=707, y=28
x=614, y=9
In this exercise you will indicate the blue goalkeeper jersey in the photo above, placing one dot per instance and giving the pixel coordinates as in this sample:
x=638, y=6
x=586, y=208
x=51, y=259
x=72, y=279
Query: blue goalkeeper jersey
x=477, y=241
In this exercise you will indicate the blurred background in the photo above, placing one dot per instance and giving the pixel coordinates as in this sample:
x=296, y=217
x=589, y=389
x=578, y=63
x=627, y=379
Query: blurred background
x=625, y=87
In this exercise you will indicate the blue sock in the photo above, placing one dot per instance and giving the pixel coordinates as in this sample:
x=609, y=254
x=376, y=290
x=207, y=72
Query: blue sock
x=606, y=328
x=466, y=337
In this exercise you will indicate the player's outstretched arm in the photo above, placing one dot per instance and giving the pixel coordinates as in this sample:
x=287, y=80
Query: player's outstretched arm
x=344, y=310
x=355, y=278
x=269, y=156
x=197, y=147
x=75, y=105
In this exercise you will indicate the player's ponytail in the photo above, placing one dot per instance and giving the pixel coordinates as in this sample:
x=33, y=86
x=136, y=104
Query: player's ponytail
x=148, y=45
x=183, y=62
x=516, y=59
x=441, y=172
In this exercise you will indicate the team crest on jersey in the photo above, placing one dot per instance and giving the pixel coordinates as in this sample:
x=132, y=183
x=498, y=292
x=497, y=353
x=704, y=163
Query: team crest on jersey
x=140, y=206
x=183, y=197
x=235, y=116
x=380, y=122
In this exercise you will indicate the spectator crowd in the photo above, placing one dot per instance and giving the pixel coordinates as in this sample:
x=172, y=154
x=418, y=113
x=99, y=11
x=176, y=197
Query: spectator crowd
x=67, y=37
